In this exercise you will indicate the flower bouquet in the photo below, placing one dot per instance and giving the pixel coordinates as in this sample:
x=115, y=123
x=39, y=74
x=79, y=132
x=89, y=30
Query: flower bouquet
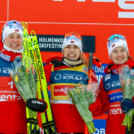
x=25, y=81
x=127, y=84
x=83, y=96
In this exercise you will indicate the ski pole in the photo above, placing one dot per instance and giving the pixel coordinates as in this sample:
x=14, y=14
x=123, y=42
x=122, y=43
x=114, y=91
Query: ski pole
x=89, y=82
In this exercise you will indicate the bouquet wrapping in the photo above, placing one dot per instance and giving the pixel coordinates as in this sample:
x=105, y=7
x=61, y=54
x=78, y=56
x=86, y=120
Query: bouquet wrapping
x=83, y=96
x=25, y=81
x=127, y=84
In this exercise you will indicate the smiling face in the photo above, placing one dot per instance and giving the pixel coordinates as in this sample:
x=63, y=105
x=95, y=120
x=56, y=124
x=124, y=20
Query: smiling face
x=119, y=55
x=14, y=41
x=71, y=52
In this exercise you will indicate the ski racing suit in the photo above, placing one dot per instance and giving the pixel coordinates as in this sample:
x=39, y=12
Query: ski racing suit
x=12, y=112
x=109, y=98
x=61, y=78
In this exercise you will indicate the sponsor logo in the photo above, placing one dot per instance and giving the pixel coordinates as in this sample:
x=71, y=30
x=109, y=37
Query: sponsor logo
x=68, y=77
x=16, y=30
x=70, y=38
x=85, y=69
x=115, y=111
x=113, y=45
x=61, y=90
x=4, y=70
x=15, y=26
x=72, y=42
x=5, y=57
x=45, y=45
x=48, y=39
x=107, y=86
x=115, y=108
x=9, y=97
x=58, y=77
x=107, y=77
x=100, y=131
x=126, y=5
x=132, y=72
x=113, y=84
x=117, y=97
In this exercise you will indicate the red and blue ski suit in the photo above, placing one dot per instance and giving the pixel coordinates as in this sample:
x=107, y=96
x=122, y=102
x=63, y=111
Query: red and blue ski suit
x=109, y=98
x=12, y=107
x=62, y=77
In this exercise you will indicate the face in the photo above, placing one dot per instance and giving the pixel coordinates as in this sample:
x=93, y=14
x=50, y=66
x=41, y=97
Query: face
x=72, y=52
x=13, y=41
x=119, y=55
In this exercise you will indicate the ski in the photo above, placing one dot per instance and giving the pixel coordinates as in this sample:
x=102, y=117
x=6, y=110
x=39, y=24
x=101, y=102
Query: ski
x=48, y=124
x=31, y=56
x=27, y=61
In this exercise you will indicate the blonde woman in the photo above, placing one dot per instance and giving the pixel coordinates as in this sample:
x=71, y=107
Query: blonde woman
x=64, y=73
x=13, y=112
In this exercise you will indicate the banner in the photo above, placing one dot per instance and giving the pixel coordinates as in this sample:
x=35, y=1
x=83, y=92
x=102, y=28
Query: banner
x=54, y=43
x=99, y=18
x=95, y=20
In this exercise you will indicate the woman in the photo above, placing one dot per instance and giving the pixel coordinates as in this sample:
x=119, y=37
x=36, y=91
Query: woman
x=12, y=113
x=64, y=73
x=110, y=94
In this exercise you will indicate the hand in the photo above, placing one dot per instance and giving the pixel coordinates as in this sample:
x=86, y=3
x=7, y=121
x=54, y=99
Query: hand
x=96, y=61
x=36, y=105
x=126, y=105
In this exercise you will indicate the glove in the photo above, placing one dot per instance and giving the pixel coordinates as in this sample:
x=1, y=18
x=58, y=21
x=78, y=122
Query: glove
x=95, y=108
x=126, y=105
x=96, y=61
x=36, y=105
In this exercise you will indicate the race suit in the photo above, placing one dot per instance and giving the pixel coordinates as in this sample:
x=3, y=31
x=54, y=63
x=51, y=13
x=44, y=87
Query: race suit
x=12, y=112
x=109, y=98
x=61, y=78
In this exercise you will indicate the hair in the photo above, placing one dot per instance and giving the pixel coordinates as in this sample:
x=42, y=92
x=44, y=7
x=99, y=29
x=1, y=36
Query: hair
x=130, y=58
x=84, y=59
x=82, y=55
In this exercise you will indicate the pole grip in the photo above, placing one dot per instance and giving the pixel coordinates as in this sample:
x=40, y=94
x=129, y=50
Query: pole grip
x=90, y=61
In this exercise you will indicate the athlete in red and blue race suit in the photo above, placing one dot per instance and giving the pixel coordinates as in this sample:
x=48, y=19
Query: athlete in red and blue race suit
x=64, y=73
x=12, y=112
x=110, y=94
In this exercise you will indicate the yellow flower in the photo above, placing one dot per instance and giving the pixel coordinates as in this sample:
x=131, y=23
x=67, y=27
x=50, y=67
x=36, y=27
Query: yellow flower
x=16, y=78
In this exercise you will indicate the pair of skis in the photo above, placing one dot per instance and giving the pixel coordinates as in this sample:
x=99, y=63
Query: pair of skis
x=43, y=123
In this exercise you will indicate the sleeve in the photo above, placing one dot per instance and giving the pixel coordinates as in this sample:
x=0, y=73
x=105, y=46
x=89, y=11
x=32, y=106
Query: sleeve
x=96, y=61
x=100, y=106
x=47, y=70
x=92, y=78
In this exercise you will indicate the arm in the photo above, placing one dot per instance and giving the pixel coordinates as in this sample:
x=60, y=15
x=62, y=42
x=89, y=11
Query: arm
x=100, y=106
x=38, y=104
x=127, y=104
x=47, y=70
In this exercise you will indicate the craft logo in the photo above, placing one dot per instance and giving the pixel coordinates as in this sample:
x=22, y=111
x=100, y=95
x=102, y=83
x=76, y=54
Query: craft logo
x=58, y=77
x=115, y=84
x=107, y=87
x=112, y=85
x=126, y=5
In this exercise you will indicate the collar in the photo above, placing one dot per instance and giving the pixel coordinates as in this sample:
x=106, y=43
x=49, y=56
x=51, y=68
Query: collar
x=60, y=62
x=116, y=68
x=9, y=55
x=72, y=63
